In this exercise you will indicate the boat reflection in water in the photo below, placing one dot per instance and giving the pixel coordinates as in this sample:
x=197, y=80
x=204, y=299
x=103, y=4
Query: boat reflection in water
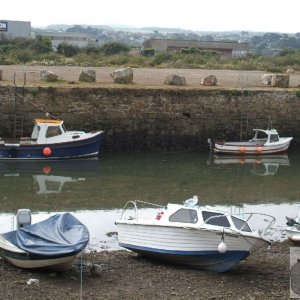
x=51, y=177
x=52, y=184
x=261, y=165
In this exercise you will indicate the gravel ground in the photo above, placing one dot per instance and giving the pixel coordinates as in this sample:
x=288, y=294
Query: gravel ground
x=125, y=275
x=143, y=76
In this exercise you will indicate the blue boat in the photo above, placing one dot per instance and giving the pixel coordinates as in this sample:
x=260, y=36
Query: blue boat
x=49, y=141
x=52, y=244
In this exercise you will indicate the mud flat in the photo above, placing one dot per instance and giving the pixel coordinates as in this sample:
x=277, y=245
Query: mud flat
x=125, y=275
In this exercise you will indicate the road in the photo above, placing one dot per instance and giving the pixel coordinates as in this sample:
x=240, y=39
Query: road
x=142, y=76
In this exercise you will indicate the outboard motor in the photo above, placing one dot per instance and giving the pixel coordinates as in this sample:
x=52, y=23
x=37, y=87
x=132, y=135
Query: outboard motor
x=23, y=217
x=291, y=222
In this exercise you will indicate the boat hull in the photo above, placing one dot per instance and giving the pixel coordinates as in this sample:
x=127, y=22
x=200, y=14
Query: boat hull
x=293, y=234
x=252, y=148
x=84, y=148
x=28, y=261
x=187, y=246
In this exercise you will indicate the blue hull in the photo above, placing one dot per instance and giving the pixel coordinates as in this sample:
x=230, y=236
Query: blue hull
x=205, y=260
x=76, y=149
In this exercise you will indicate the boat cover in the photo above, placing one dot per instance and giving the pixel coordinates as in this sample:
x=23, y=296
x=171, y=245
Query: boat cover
x=61, y=234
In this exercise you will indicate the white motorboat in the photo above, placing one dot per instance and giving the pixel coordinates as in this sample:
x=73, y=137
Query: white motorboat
x=263, y=142
x=188, y=234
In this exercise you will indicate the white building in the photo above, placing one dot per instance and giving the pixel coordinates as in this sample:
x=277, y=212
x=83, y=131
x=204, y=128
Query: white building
x=15, y=29
x=71, y=38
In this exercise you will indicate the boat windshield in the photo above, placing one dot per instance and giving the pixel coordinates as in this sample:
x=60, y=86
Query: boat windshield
x=53, y=131
x=241, y=224
x=214, y=218
x=260, y=135
x=274, y=138
x=63, y=128
x=184, y=216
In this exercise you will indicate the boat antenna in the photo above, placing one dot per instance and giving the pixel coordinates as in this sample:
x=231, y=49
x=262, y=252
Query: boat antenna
x=47, y=114
x=269, y=124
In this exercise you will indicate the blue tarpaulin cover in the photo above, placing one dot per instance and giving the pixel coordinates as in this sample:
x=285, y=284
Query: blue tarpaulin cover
x=61, y=234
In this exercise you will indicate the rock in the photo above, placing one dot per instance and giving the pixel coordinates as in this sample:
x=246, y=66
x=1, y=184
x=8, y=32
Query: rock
x=48, y=76
x=175, y=80
x=290, y=70
x=87, y=76
x=96, y=269
x=1, y=75
x=122, y=75
x=282, y=81
x=266, y=79
x=209, y=80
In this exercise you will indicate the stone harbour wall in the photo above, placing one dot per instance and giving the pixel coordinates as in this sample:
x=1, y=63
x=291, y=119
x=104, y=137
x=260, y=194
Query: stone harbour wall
x=145, y=119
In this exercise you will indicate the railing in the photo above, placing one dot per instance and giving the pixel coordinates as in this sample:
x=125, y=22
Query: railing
x=246, y=221
x=135, y=206
x=271, y=222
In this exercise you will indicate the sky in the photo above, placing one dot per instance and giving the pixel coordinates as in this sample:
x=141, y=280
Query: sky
x=197, y=15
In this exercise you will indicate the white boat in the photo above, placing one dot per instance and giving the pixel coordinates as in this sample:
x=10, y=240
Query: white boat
x=263, y=142
x=293, y=229
x=52, y=244
x=192, y=235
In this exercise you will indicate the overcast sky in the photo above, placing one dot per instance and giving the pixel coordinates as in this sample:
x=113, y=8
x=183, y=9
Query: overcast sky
x=202, y=15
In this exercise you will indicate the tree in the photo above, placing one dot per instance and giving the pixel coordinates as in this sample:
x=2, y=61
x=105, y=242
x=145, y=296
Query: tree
x=42, y=45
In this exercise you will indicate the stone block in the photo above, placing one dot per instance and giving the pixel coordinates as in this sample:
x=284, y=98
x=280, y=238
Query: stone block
x=122, y=75
x=281, y=81
x=175, y=80
x=87, y=76
x=209, y=80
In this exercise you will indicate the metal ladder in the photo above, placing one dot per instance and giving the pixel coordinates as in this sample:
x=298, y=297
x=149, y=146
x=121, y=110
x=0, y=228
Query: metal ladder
x=244, y=128
x=18, y=111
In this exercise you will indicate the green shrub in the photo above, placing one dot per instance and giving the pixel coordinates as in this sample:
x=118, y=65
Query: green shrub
x=162, y=57
x=148, y=52
x=119, y=60
x=114, y=48
x=275, y=70
x=67, y=50
x=137, y=61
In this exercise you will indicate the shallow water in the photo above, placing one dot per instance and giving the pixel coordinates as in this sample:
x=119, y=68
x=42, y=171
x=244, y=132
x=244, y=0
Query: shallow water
x=95, y=191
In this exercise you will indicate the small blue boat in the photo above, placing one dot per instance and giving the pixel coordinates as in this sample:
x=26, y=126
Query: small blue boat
x=53, y=243
x=50, y=140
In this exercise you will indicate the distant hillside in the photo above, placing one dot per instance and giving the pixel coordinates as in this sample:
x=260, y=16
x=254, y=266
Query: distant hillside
x=65, y=27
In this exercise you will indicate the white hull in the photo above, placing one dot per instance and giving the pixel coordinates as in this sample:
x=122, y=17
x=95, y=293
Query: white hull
x=293, y=234
x=58, y=264
x=181, y=239
x=22, y=259
x=193, y=247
